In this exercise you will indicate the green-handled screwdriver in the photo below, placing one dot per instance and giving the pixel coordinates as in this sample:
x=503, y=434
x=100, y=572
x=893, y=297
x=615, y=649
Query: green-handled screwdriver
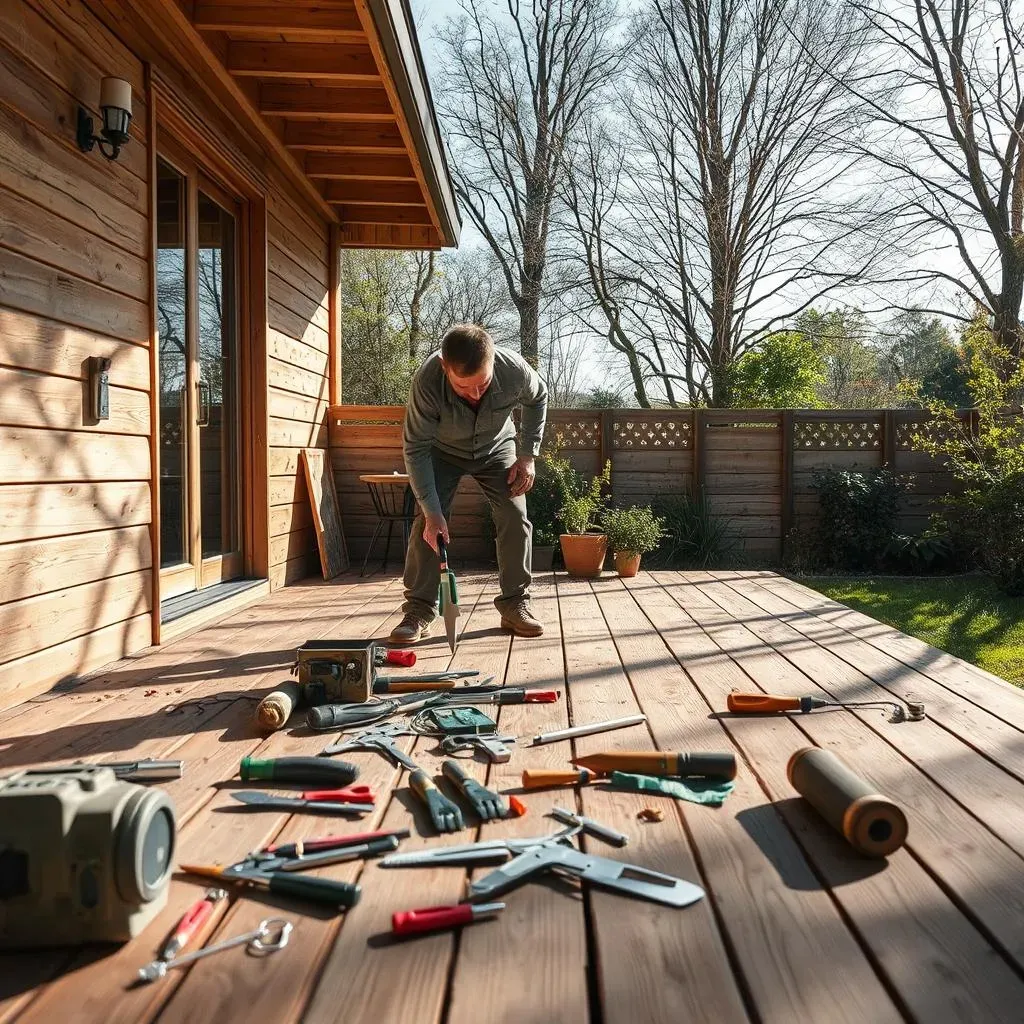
x=316, y=890
x=310, y=771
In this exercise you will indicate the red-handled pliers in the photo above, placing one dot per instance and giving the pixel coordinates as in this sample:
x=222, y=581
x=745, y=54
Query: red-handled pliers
x=433, y=919
x=192, y=920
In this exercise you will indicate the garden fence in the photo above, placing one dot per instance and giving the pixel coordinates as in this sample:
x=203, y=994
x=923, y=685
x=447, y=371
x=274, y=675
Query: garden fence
x=756, y=466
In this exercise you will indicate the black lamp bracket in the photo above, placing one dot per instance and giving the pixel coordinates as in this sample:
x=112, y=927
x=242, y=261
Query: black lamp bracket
x=87, y=138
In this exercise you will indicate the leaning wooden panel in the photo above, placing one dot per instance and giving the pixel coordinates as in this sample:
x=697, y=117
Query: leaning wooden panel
x=330, y=536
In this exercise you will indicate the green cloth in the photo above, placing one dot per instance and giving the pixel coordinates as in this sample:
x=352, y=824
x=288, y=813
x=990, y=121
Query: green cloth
x=698, y=791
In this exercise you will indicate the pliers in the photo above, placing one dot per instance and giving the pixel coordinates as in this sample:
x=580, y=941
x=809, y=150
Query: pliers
x=487, y=805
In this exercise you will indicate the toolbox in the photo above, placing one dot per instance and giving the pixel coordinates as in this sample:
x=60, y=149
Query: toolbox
x=336, y=671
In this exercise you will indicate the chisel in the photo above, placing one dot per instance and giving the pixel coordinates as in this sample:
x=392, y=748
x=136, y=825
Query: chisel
x=448, y=596
x=659, y=762
x=767, y=703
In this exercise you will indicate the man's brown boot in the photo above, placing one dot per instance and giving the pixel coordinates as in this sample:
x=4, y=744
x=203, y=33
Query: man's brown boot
x=409, y=630
x=520, y=621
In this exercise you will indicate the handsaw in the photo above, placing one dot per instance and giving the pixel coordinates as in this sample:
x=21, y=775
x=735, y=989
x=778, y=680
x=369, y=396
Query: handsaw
x=448, y=595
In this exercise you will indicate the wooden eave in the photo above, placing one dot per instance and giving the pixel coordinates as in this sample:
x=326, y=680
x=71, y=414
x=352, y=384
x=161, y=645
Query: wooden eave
x=337, y=89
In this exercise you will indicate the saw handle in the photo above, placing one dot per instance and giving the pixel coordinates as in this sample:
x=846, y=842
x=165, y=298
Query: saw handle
x=760, y=703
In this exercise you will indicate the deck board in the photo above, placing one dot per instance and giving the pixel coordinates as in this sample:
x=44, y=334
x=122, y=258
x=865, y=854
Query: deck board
x=795, y=927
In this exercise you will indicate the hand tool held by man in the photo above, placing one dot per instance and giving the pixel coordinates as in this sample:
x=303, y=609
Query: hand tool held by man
x=458, y=422
x=448, y=596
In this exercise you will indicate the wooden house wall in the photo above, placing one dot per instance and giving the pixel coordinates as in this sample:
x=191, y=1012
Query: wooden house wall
x=75, y=502
x=75, y=499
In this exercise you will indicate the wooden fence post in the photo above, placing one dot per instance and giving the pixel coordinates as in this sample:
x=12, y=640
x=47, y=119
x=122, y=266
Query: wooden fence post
x=699, y=460
x=889, y=438
x=786, y=474
x=606, y=439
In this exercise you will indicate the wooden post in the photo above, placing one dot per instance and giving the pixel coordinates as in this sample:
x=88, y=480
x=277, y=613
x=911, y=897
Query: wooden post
x=334, y=312
x=889, y=438
x=606, y=442
x=698, y=451
x=787, y=418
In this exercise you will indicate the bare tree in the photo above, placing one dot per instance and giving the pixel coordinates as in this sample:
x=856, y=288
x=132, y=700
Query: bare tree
x=952, y=130
x=515, y=86
x=423, y=266
x=733, y=203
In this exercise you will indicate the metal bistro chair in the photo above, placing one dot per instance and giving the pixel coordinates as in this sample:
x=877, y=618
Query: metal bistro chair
x=393, y=502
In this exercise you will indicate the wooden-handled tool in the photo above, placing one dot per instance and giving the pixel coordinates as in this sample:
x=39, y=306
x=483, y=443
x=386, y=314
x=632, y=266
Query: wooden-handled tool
x=768, y=703
x=541, y=778
x=662, y=763
x=446, y=816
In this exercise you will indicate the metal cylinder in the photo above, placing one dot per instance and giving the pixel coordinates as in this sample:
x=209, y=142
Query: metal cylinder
x=871, y=823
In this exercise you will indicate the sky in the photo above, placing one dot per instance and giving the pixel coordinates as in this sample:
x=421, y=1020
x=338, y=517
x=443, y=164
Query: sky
x=429, y=15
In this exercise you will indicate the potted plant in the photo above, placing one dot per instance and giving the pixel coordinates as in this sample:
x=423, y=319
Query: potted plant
x=632, y=532
x=583, y=547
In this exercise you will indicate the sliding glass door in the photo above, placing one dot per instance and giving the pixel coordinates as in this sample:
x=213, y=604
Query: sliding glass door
x=198, y=317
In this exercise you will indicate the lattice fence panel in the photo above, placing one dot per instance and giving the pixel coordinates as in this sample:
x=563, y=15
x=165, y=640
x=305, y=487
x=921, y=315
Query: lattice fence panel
x=835, y=435
x=908, y=430
x=652, y=434
x=581, y=432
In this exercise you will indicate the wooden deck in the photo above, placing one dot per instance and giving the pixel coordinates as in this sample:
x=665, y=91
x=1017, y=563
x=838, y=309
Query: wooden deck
x=795, y=927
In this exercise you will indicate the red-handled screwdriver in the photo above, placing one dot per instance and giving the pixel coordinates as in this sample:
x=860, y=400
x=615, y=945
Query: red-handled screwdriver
x=192, y=920
x=433, y=919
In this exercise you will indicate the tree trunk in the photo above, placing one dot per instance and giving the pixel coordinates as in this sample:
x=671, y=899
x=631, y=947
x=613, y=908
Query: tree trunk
x=1006, y=326
x=529, y=322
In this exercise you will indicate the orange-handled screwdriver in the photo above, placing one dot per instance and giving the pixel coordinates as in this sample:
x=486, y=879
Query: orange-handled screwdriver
x=765, y=703
x=761, y=703
x=541, y=778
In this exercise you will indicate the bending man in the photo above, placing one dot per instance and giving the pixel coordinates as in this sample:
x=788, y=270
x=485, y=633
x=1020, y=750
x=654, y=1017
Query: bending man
x=458, y=421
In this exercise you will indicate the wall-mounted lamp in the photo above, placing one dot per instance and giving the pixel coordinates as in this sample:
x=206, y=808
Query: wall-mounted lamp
x=116, y=106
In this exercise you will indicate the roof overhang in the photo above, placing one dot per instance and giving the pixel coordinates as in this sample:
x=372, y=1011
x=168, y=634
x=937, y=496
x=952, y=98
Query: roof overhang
x=339, y=91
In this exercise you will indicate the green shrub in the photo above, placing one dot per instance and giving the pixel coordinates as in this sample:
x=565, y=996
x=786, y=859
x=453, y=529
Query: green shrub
x=859, y=510
x=635, y=530
x=994, y=529
x=694, y=537
x=926, y=553
x=542, y=505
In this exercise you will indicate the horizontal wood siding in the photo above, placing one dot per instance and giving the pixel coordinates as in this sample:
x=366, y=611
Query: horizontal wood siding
x=297, y=378
x=75, y=502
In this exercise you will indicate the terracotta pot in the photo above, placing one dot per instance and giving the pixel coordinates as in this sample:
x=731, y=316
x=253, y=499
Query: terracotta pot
x=627, y=563
x=584, y=553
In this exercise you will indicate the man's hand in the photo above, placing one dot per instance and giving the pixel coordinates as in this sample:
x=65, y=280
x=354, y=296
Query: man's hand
x=432, y=526
x=522, y=475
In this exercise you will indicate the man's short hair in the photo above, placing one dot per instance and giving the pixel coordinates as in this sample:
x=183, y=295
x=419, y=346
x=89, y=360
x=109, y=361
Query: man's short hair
x=467, y=349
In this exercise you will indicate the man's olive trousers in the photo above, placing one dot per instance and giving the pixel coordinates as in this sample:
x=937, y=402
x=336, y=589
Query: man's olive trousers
x=514, y=533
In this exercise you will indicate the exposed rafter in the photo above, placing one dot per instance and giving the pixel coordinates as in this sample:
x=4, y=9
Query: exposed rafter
x=358, y=167
x=312, y=21
x=373, y=193
x=327, y=136
x=292, y=100
x=341, y=62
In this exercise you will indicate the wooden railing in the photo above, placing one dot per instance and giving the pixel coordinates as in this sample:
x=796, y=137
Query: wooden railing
x=755, y=466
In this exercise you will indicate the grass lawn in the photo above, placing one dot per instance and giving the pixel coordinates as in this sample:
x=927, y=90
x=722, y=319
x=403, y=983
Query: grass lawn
x=964, y=615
